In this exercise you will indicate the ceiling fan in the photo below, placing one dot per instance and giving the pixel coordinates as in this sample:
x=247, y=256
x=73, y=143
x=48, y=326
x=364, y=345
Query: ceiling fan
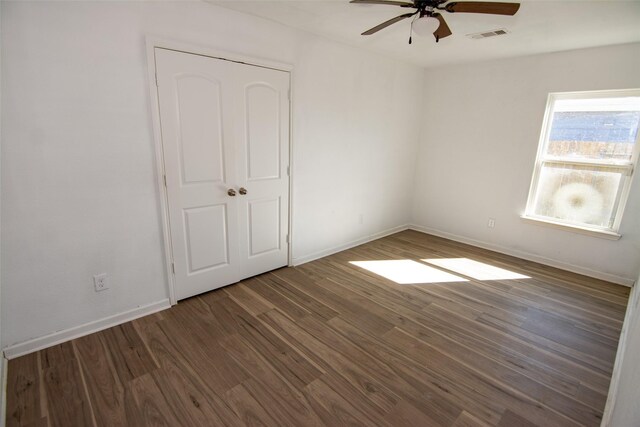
x=429, y=9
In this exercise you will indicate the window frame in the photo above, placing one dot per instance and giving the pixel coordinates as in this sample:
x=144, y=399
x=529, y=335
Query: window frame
x=626, y=169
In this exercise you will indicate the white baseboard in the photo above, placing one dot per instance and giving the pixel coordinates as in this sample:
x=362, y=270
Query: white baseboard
x=526, y=255
x=26, y=347
x=632, y=306
x=349, y=245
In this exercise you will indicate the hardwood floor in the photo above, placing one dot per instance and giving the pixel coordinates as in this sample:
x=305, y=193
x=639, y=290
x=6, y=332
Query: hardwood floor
x=331, y=343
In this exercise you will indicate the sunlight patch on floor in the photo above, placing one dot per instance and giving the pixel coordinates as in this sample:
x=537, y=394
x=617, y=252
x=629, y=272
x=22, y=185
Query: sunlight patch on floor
x=477, y=270
x=405, y=271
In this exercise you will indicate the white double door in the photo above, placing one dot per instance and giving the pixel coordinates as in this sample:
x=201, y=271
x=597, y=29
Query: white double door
x=225, y=139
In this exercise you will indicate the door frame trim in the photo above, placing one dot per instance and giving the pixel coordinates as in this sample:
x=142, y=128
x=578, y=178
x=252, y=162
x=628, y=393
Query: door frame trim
x=153, y=42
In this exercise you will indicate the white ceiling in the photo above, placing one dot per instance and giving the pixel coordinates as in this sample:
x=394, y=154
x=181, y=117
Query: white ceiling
x=538, y=27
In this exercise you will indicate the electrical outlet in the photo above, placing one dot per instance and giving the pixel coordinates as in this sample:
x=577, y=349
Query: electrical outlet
x=491, y=223
x=101, y=282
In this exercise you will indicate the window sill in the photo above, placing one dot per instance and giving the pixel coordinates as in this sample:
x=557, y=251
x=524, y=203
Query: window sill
x=603, y=234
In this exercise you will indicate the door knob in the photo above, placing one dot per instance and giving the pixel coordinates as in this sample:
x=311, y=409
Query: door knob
x=231, y=192
x=243, y=191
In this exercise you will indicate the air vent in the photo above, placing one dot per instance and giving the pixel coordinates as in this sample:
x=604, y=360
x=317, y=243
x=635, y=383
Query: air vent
x=485, y=34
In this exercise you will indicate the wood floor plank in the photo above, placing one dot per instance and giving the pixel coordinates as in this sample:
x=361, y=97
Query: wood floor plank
x=284, y=410
x=467, y=420
x=295, y=294
x=330, y=343
x=529, y=294
x=290, y=406
x=499, y=360
x=503, y=354
x=406, y=415
x=579, y=310
x=594, y=363
x=185, y=380
x=23, y=387
x=220, y=372
x=154, y=408
x=339, y=349
x=565, y=332
x=56, y=355
x=491, y=388
x=322, y=292
x=511, y=377
x=220, y=321
x=248, y=409
x=188, y=405
x=243, y=295
x=68, y=405
x=135, y=414
x=439, y=317
x=436, y=391
x=511, y=419
x=283, y=303
x=289, y=362
x=355, y=379
x=336, y=409
x=42, y=422
x=131, y=358
x=367, y=286
x=551, y=275
x=104, y=388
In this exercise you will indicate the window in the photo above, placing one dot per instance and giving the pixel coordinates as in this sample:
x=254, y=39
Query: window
x=587, y=152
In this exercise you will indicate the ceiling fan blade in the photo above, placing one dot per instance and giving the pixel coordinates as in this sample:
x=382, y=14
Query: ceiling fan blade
x=385, y=24
x=389, y=2
x=443, y=30
x=493, y=8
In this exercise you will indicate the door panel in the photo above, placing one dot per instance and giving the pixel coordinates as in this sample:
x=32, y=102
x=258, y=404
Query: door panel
x=200, y=123
x=262, y=132
x=206, y=237
x=264, y=226
x=225, y=125
x=263, y=151
x=199, y=169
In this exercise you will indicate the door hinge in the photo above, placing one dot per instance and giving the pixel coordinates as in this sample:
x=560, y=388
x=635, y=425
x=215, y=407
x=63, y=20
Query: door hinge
x=289, y=94
x=286, y=238
x=157, y=79
x=173, y=268
x=288, y=170
x=164, y=177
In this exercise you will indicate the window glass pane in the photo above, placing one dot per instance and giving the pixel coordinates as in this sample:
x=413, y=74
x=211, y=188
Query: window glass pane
x=578, y=194
x=598, y=129
x=598, y=135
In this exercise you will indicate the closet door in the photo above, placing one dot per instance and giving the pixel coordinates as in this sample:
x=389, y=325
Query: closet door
x=223, y=162
x=262, y=160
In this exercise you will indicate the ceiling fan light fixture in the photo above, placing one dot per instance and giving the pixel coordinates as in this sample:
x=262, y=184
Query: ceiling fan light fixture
x=430, y=20
x=425, y=25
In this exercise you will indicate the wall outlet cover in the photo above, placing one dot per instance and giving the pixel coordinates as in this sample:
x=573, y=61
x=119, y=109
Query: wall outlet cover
x=101, y=282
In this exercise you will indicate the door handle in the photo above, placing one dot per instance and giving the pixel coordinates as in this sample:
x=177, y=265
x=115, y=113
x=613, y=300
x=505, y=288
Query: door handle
x=243, y=191
x=231, y=192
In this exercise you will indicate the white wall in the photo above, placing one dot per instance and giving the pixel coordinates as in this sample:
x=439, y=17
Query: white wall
x=481, y=126
x=622, y=403
x=2, y=364
x=78, y=173
x=356, y=130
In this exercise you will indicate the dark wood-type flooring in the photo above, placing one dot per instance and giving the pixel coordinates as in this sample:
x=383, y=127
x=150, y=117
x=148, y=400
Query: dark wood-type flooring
x=329, y=343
